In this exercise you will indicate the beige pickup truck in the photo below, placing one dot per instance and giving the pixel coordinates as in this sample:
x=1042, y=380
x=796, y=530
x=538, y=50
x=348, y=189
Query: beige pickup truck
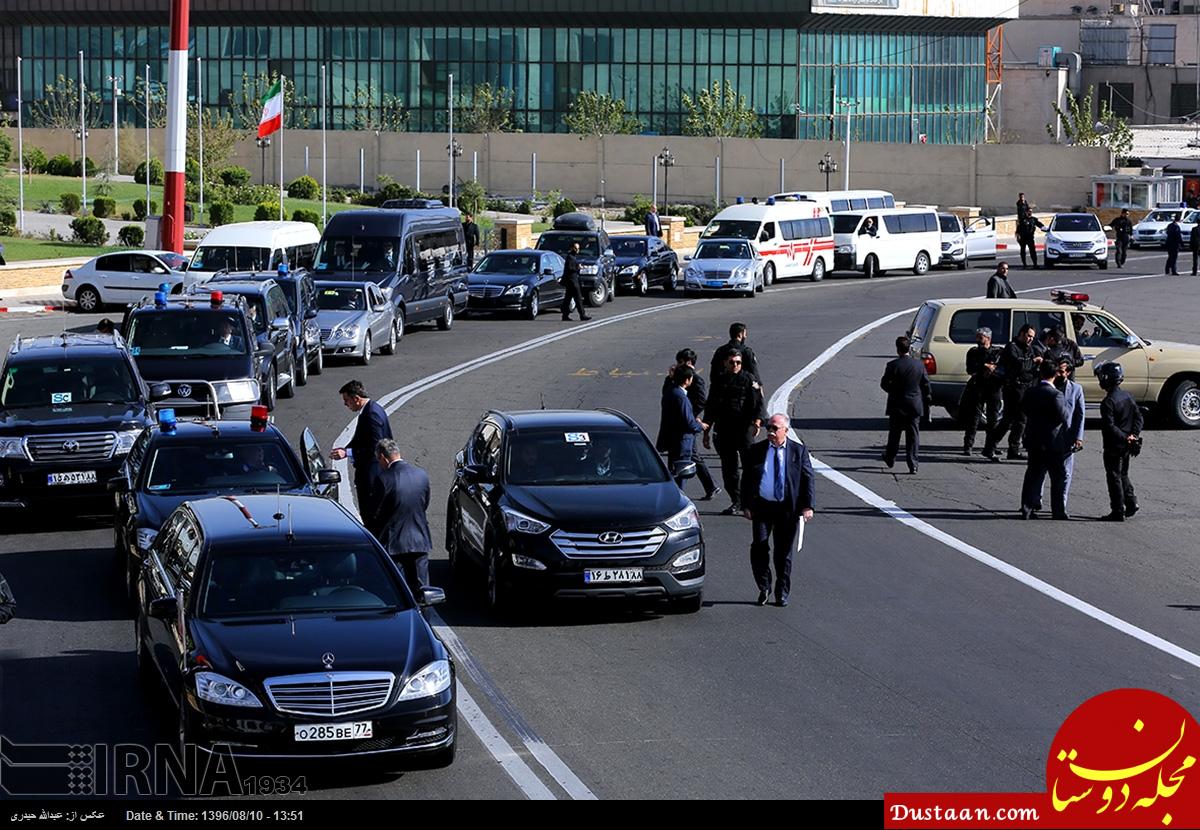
x=1160, y=375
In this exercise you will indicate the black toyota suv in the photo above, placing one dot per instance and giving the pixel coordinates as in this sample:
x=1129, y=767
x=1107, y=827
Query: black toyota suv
x=282, y=629
x=572, y=504
x=597, y=262
x=205, y=349
x=301, y=293
x=181, y=460
x=271, y=319
x=71, y=407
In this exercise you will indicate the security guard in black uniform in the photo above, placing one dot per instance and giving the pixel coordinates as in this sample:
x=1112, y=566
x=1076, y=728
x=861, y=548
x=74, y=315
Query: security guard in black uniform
x=1121, y=425
x=698, y=397
x=570, y=281
x=1018, y=366
x=737, y=345
x=1122, y=236
x=1058, y=345
x=982, y=395
x=735, y=413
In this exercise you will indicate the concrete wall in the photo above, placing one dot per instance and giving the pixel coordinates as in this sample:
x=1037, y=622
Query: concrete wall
x=988, y=175
x=1027, y=100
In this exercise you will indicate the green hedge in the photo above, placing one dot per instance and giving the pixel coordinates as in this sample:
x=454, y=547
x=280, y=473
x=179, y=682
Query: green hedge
x=60, y=165
x=77, y=167
x=70, y=202
x=156, y=172
x=234, y=176
x=89, y=230
x=266, y=211
x=220, y=213
x=305, y=187
x=103, y=206
x=131, y=235
x=302, y=215
x=139, y=209
x=8, y=221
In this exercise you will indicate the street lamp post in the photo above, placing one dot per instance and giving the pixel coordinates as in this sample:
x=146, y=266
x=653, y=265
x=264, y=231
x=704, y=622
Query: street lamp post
x=667, y=159
x=116, y=80
x=263, y=143
x=602, y=204
x=847, y=104
x=827, y=164
x=454, y=150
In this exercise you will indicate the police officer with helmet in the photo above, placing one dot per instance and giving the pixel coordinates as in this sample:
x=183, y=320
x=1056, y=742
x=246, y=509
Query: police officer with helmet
x=1121, y=425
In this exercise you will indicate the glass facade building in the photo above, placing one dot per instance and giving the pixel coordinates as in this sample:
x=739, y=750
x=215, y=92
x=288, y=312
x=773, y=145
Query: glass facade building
x=897, y=85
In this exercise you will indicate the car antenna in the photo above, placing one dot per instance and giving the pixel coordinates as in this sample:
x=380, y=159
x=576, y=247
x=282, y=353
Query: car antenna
x=543, y=397
x=291, y=536
x=278, y=517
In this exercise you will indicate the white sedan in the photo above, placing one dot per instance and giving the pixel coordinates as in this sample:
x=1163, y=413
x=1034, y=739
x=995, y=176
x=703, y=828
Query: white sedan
x=124, y=277
x=962, y=243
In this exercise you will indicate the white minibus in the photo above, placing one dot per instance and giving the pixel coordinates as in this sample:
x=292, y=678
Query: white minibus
x=873, y=242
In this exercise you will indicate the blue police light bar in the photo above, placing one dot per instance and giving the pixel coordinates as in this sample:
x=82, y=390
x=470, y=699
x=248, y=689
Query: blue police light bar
x=166, y=420
x=283, y=269
x=160, y=298
x=741, y=200
x=770, y=200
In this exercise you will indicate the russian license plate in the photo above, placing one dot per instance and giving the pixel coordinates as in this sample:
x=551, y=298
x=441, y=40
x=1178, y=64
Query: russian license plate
x=593, y=576
x=85, y=477
x=334, y=731
x=715, y=283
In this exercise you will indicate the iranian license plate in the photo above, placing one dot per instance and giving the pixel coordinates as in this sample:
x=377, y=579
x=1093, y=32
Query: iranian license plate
x=593, y=576
x=1078, y=256
x=84, y=477
x=334, y=731
x=715, y=283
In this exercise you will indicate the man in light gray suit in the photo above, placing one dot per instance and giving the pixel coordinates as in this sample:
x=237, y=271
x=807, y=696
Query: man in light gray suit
x=1072, y=435
x=401, y=498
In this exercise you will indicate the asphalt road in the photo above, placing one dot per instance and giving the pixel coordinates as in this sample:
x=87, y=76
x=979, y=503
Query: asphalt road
x=901, y=664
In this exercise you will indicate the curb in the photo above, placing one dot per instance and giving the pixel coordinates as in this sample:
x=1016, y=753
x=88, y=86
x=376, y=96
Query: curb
x=28, y=309
x=54, y=289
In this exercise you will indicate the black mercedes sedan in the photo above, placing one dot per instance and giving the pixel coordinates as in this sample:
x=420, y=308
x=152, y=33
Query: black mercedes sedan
x=524, y=281
x=282, y=629
x=572, y=504
x=643, y=261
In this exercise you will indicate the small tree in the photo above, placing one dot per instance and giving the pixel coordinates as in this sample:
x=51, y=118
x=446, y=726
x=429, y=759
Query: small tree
x=472, y=198
x=220, y=136
x=486, y=109
x=1109, y=130
x=6, y=148
x=131, y=236
x=89, y=230
x=719, y=112
x=35, y=160
x=304, y=187
x=156, y=172
x=372, y=110
x=58, y=106
x=70, y=202
x=593, y=113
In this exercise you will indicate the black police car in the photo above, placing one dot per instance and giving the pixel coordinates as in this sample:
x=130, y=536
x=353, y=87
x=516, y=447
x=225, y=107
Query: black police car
x=271, y=319
x=281, y=628
x=71, y=407
x=181, y=460
x=523, y=281
x=205, y=349
x=597, y=263
x=643, y=261
x=301, y=292
x=572, y=504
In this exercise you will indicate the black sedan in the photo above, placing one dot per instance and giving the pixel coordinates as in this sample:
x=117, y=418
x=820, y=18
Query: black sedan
x=643, y=261
x=524, y=281
x=572, y=504
x=281, y=629
x=175, y=462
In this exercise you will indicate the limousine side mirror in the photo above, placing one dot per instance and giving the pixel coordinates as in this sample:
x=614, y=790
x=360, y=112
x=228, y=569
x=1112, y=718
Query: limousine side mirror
x=683, y=469
x=476, y=473
x=329, y=477
x=380, y=307
x=160, y=391
x=311, y=314
x=687, y=257
x=166, y=608
x=120, y=484
x=547, y=272
x=431, y=596
x=460, y=459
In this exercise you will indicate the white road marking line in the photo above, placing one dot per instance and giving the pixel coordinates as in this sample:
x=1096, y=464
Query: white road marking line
x=517, y=769
x=779, y=403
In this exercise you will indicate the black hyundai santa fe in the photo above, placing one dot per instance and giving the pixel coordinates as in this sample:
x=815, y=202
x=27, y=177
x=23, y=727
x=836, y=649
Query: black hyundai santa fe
x=572, y=504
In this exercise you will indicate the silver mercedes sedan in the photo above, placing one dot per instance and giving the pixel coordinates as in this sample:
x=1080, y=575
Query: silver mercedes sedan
x=355, y=319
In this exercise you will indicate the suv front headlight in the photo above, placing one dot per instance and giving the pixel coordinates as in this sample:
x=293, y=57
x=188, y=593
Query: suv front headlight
x=589, y=269
x=429, y=681
x=125, y=440
x=146, y=537
x=686, y=519
x=217, y=688
x=629, y=269
x=12, y=448
x=517, y=522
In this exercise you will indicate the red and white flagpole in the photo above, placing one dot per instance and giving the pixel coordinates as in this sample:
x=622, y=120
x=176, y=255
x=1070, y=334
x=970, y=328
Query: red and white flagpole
x=176, y=149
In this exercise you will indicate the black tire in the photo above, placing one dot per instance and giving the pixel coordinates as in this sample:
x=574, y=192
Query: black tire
x=319, y=364
x=921, y=265
x=446, y=321
x=532, y=310
x=496, y=593
x=302, y=369
x=289, y=388
x=401, y=324
x=672, y=278
x=818, y=271
x=184, y=734
x=871, y=267
x=962, y=266
x=131, y=576
x=87, y=300
x=1185, y=404
x=596, y=297
x=147, y=674
x=269, y=398
x=687, y=605
x=365, y=360
x=769, y=274
x=1049, y=263
x=454, y=551
x=440, y=759
x=641, y=285
x=390, y=346
x=1103, y=264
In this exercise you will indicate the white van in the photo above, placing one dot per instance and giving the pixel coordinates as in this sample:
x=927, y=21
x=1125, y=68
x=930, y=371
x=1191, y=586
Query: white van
x=841, y=201
x=793, y=239
x=256, y=246
x=876, y=241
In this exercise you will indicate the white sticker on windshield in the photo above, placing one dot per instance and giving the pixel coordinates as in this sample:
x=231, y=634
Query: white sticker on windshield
x=577, y=438
x=60, y=397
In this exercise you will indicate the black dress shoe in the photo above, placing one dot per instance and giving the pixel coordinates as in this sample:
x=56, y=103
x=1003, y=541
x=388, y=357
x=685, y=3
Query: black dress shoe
x=732, y=510
x=1062, y=517
x=1130, y=509
x=912, y=469
x=990, y=454
x=967, y=448
x=889, y=463
x=1028, y=513
x=762, y=598
x=1113, y=517
x=782, y=602
x=584, y=319
x=1016, y=455
x=710, y=496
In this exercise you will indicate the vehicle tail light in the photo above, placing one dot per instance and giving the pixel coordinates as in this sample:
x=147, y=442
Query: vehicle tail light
x=68, y=275
x=930, y=363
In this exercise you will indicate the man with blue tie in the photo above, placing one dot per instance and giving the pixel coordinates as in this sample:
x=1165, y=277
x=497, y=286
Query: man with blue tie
x=653, y=226
x=778, y=492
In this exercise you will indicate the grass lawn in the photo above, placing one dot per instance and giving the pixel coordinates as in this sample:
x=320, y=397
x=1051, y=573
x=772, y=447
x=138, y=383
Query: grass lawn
x=18, y=249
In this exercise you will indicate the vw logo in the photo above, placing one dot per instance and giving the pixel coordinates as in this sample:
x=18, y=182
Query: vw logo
x=327, y=659
x=610, y=537
x=183, y=390
x=70, y=446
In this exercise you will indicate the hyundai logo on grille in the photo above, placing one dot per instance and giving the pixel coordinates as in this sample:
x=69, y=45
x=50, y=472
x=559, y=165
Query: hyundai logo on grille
x=183, y=390
x=70, y=446
x=327, y=659
x=610, y=537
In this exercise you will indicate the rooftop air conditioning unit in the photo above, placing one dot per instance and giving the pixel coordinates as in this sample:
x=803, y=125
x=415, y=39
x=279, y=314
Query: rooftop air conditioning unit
x=1047, y=56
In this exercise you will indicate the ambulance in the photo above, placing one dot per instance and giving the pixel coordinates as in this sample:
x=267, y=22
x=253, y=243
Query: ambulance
x=792, y=238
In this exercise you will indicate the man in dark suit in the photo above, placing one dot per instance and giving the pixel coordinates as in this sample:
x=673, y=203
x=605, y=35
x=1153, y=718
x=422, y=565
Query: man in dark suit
x=998, y=286
x=679, y=425
x=399, y=521
x=697, y=395
x=653, y=225
x=1121, y=424
x=371, y=427
x=778, y=493
x=1047, y=415
x=1174, y=243
x=570, y=281
x=908, y=397
x=737, y=345
x=470, y=237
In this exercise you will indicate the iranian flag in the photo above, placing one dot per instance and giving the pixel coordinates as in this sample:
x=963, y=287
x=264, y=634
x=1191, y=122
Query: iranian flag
x=272, y=114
